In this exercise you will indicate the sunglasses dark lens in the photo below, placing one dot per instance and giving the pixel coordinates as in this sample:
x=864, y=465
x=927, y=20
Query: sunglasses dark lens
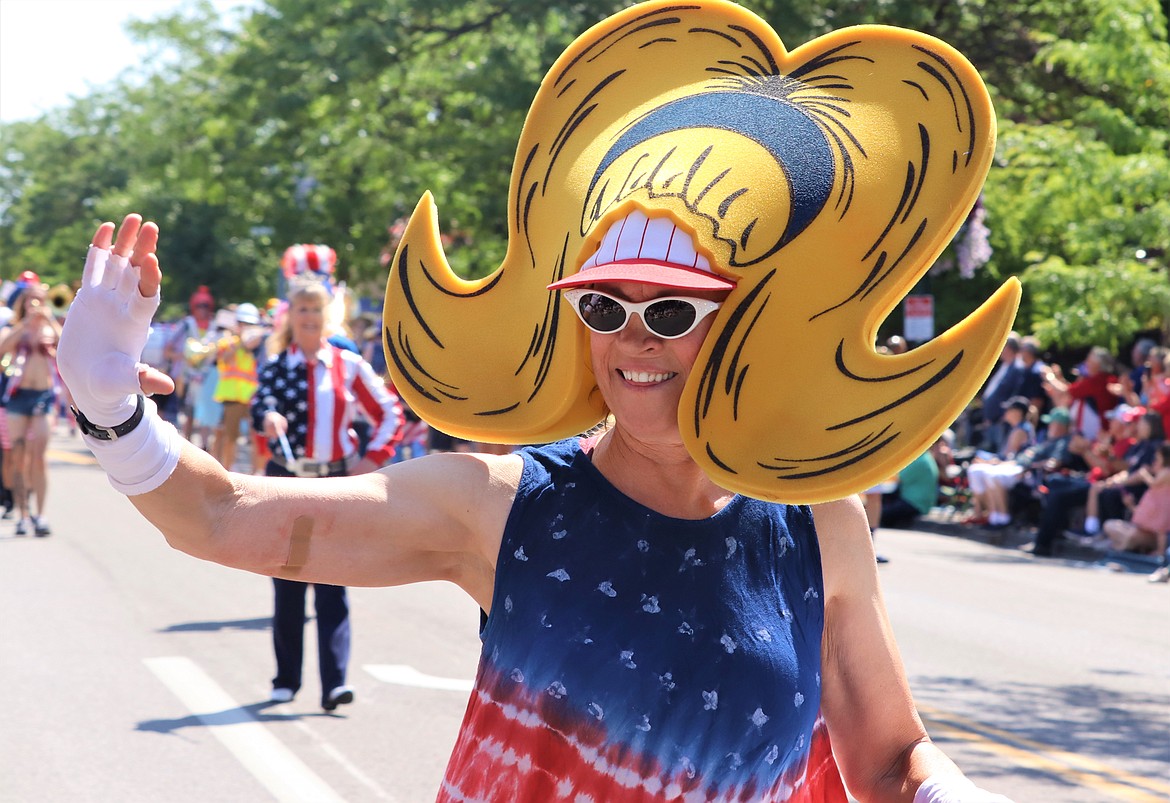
x=670, y=318
x=600, y=313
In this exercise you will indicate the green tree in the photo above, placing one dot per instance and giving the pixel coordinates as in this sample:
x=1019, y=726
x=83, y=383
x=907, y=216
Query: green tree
x=312, y=122
x=343, y=115
x=53, y=172
x=1082, y=174
x=1128, y=297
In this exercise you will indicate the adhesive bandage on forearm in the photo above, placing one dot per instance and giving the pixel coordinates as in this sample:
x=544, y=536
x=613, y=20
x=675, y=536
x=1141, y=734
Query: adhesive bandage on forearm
x=954, y=789
x=142, y=460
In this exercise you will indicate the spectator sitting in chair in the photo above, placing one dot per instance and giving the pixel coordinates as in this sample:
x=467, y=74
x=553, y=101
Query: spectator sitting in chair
x=1105, y=498
x=916, y=492
x=1150, y=517
x=991, y=475
x=1130, y=386
x=944, y=454
x=1088, y=397
x=898, y=502
x=1032, y=383
x=1104, y=457
x=1003, y=384
x=1156, y=388
x=1050, y=462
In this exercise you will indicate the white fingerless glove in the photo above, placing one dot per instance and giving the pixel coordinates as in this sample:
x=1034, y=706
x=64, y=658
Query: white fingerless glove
x=954, y=789
x=98, y=357
x=103, y=337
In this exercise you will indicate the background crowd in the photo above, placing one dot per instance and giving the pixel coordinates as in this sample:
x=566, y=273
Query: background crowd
x=1072, y=458
x=1075, y=456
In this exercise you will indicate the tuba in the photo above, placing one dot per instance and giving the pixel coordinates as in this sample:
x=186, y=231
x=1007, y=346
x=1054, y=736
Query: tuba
x=59, y=296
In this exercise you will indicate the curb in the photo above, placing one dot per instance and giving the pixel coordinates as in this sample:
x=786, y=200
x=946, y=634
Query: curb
x=941, y=522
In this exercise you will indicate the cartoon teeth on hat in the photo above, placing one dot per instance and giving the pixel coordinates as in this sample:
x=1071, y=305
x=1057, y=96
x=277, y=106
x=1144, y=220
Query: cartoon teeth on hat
x=818, y=184
x=648, y=250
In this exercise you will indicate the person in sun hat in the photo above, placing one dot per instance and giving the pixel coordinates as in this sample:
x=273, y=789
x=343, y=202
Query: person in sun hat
x=683, y=604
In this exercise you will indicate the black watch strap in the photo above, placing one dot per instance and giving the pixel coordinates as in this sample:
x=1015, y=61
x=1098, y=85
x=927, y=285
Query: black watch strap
x=111, y=433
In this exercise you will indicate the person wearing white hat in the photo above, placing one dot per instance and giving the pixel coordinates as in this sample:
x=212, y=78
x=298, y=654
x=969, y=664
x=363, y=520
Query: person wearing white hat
x=235, y=356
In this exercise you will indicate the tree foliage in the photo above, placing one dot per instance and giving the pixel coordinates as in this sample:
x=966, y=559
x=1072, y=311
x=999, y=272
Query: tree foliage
x=325, y=122
x=1128, y=296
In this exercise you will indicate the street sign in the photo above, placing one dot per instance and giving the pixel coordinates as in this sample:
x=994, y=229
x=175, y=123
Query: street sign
x=918, y=318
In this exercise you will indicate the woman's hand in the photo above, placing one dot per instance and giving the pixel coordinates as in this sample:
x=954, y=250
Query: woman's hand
x=106, y=329
x=275, y=424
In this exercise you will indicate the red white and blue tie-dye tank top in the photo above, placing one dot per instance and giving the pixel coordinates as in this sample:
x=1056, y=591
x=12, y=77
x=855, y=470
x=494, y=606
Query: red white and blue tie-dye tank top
x=630, y=656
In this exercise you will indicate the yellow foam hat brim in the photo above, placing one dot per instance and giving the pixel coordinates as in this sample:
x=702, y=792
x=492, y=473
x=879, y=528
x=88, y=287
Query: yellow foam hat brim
x=823, y=181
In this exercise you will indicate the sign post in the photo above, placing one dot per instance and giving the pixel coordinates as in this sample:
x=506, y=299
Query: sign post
x=918, y=318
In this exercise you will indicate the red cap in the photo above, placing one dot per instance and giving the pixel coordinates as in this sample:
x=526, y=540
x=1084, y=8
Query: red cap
x=202, y=295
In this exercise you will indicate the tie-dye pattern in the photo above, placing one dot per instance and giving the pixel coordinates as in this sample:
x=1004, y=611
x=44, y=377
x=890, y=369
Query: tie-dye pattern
x=630, y=656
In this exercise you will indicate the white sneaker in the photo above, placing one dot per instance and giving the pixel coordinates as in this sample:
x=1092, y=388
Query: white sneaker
x=1161, y=575
x=282, y=695
x=341, y=695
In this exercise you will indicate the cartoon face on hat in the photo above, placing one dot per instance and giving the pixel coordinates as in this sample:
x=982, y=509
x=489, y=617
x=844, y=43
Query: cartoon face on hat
x=816, y=185
x=648, y=250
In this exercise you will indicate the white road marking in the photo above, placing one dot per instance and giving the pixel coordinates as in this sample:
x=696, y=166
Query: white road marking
x=403, y=675
x=376, y=790
x=275, y=766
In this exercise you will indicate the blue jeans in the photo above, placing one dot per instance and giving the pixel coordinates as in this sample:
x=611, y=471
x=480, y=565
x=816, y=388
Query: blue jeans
x=288, y=634
x=288, y=628
x=1064, y=494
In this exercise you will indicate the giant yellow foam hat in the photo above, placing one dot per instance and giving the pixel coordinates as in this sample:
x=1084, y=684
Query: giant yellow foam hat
x=823, y=181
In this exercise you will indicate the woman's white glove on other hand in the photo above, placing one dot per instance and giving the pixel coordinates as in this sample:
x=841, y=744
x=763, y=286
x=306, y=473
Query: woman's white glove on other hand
x=98, y=357
x=103, y=337
x=954, y=789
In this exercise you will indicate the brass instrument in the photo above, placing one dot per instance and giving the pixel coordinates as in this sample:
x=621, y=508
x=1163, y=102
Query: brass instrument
x=60, y=296
x=196, y=352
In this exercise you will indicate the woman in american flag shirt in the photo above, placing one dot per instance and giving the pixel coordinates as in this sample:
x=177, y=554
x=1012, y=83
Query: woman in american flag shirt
x=650, y=636
x=305, y=403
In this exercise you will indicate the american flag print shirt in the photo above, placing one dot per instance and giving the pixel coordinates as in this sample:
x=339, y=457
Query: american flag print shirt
x=630, y=656
x=320, y=397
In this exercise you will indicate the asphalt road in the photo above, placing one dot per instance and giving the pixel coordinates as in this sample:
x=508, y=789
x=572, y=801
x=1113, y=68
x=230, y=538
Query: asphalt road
x=130, y=672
